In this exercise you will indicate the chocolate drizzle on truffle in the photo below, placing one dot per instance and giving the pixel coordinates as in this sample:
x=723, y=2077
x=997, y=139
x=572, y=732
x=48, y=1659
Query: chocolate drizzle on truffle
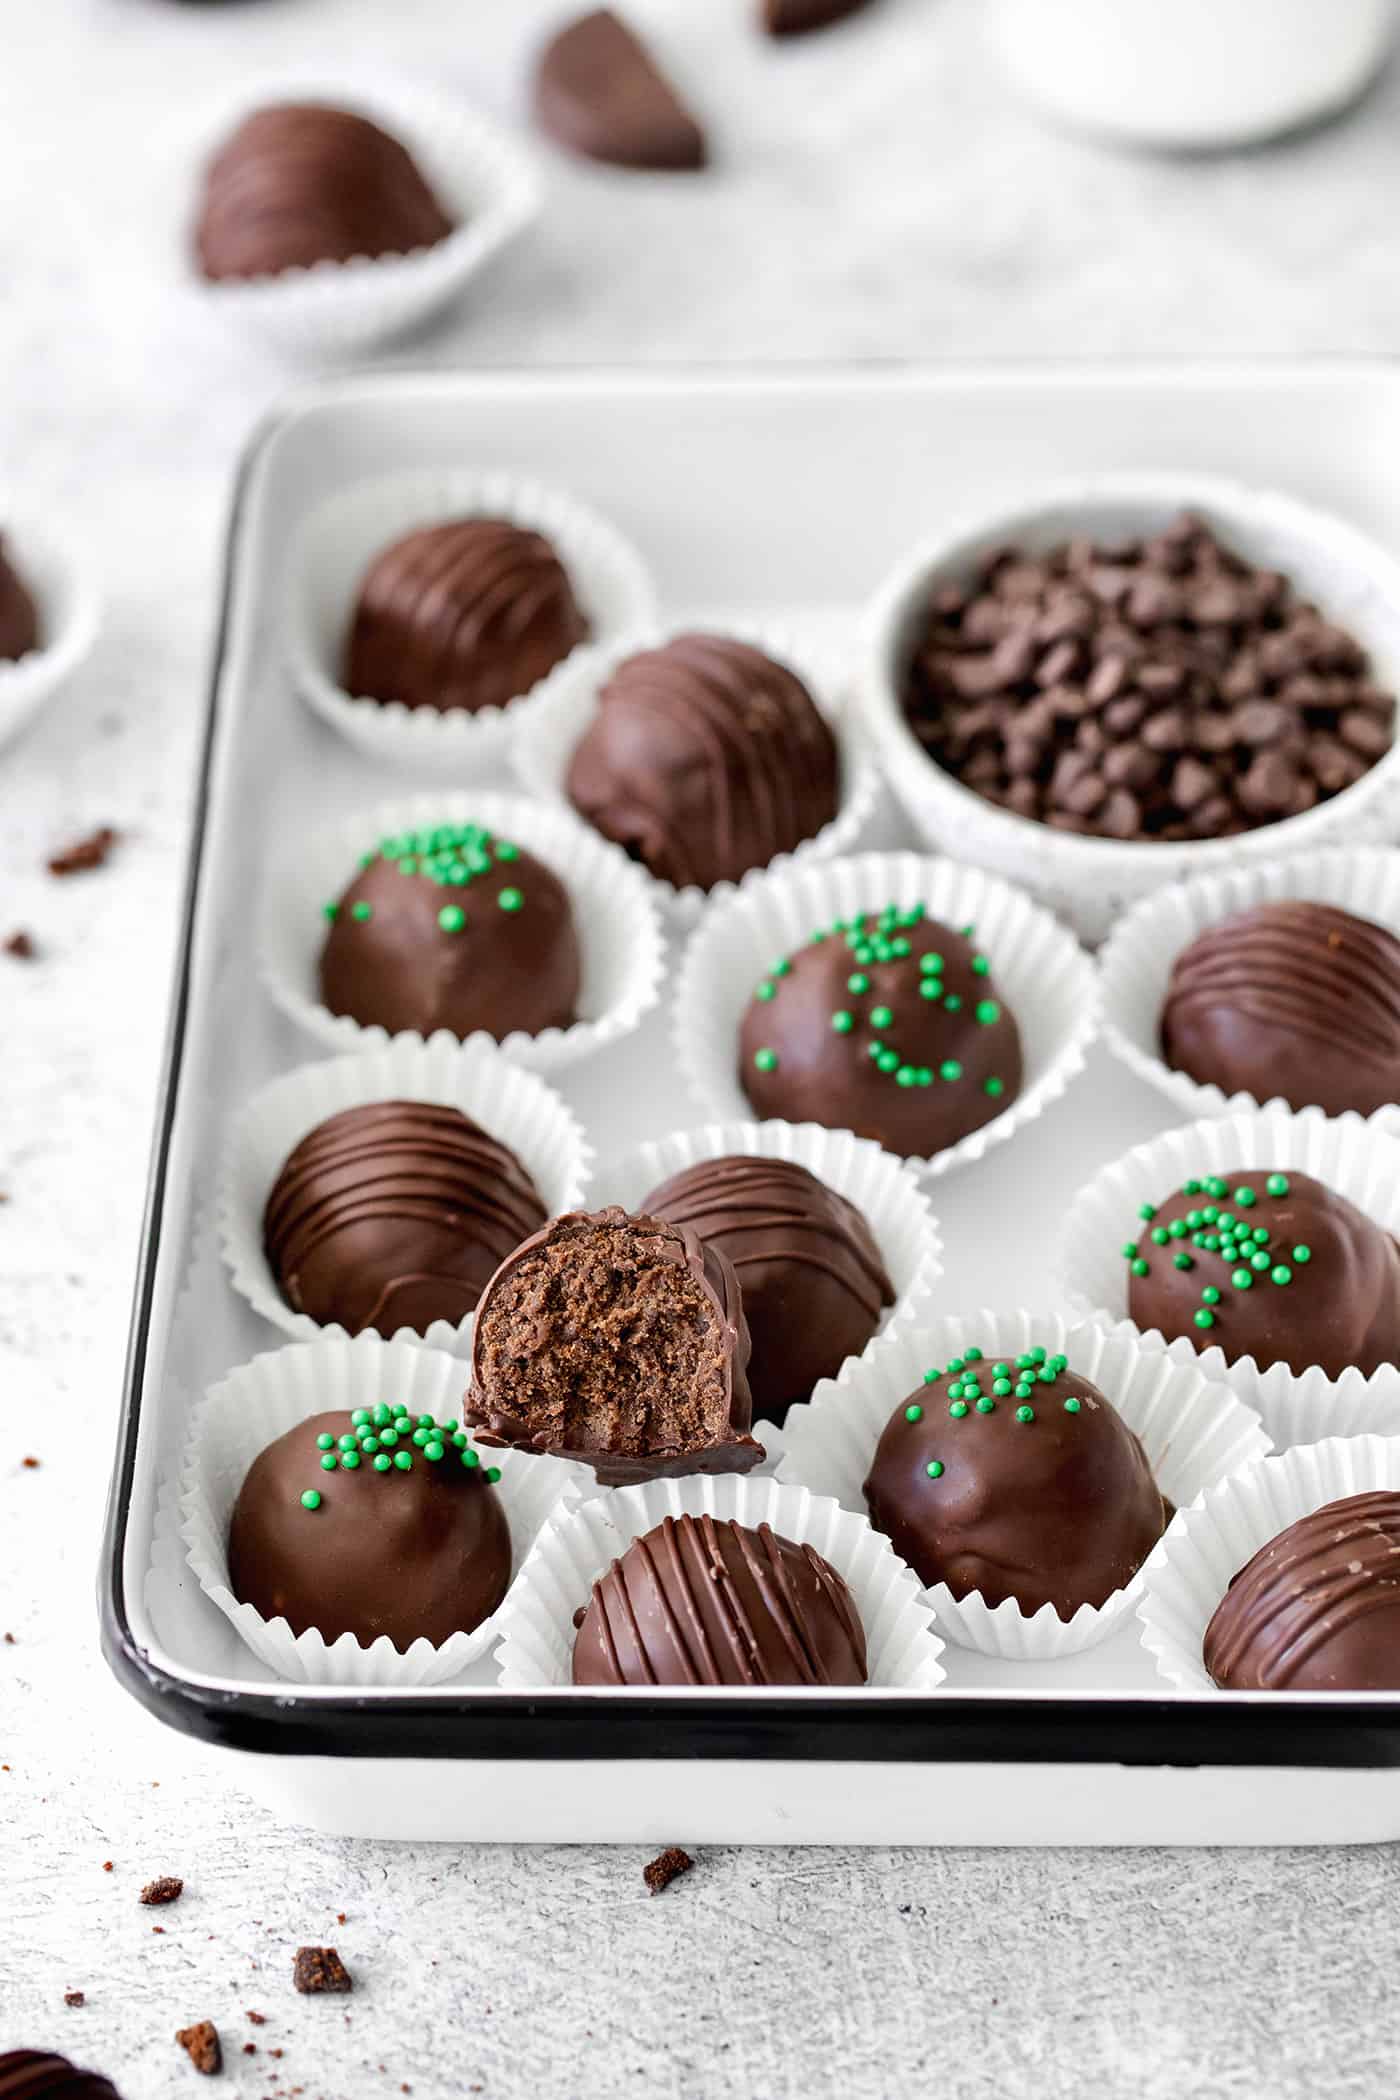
x=19, y=618
x=707, y=1602
x=1318, y=1608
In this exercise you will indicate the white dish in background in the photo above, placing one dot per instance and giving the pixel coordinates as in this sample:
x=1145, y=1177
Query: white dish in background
x=68, y=615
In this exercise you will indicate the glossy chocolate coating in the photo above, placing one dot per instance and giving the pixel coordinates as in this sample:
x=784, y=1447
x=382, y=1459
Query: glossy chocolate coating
x=705, y=759
x=600, y=93
x=395, y=1214
x=462, y=615
x=1318, y=1608
x=702, y=1600
x=1293, y=999
x=301, y=183
x=19, y=616
x=416, y=1553
x=822, y=1032
x=620, y=1341
x=796, y=17
x=813, y=1282
x=412, y=946
x=1336, y=1303
x=1056, y=1507
x=41, y=2074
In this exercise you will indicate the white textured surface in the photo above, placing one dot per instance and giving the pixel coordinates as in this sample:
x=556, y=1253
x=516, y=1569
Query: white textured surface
x=876, y=196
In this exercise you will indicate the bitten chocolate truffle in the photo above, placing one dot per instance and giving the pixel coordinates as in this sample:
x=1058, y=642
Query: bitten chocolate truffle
x=395, y=1214
x=1014, y=1477
x=19, y=616
x=301, y=183
x=40, y=2074
x=813, y=1281
x=461, y=616
x=620, y=1341
x=1270, y=1265
x=372, y=1522
x=1318, y=1608
x=705, y=758
x=1289, y=998
x=796, y=17
x=888, y=1024
x=702, y=1600
x=451, y=927
x=599, y=92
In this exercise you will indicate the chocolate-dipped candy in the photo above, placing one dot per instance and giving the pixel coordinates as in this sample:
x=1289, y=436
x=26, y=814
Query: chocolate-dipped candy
x=371, y=1522
x=1271, y=1265
x=451, y=927
x=19, y=616
x=1014, y=1477
x=705, y=758
x=620, y=1341
x=813, y=1281
x=1289, y=998
x=796, y=17
x=462, y=615
x=41, y=2074
x=301, y=183
x=1318, y=1608
x=395, y=1214
x=702, y=1600
x=599, y=92
x=888, y=1024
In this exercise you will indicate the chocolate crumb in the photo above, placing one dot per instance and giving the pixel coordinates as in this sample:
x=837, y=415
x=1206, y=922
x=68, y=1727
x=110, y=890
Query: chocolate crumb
x=340, y=1917
x=158, y=1928
x=201, y=2044
x=9, y=1640
x=32, y=1464
x=106, y=1866
x=166, y=1888
x=75, y=1998
x=84, y=854
x=258, y=2019
x=21, y=945
x=250, y=2048
x=274, y=2052
x=662, y=1871
x=317, y=1969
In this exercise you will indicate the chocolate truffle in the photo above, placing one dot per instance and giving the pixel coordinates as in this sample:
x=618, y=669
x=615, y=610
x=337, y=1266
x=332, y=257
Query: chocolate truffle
x=40, y=2074
x=1014, y=1477
x=702, y=1600
x=300, y=183
x=1318, y=1608
x=395, y=1214
x=1270, y=1265
x=796, y=17
x=599, y=92
x=705, y=759
x=451, y=927
x=1289, y=998
x=888, y=1024
x=462, y=615
x=620, y=1341
x=814, y=1285
x=19, y=617
x=372, y=1522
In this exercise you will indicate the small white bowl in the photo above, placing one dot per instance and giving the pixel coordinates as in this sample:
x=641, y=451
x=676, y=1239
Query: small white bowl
x=68, y=620
x=1092, y=881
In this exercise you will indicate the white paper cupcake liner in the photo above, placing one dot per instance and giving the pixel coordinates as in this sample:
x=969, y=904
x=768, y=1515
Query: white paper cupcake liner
x=1042, y=973
x=1207, y=1545
x=263, y=1399
x=341, y=539
x=1136, y=964
x=479, y=173
x=619, y=930
x=1349, y=1155
x=1092, y=882
x=68, y=619
x=581, y=1542
x=1193, y=1430
x=548, y=739
x=512, y=1105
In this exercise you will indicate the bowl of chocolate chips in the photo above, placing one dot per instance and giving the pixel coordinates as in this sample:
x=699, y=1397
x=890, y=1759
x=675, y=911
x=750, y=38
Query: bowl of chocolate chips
x=1128, y=681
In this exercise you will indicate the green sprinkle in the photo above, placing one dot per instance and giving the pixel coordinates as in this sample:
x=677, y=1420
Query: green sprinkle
x=383, y=1462
x=994, y=1087
x=493, y=1474
x=1159, y=1235
x=359, y=1418
x=843, y=1023
x=383, y=1416
x=452, y=918
x=432, y=1450
x=1211, y=1295
x=1072, y=1405
x=1190, y=1188
x=510, y=900
x=950, y=1069
x=1025, y=1414
x=1183, y=1261
x=328, y=1461
x=958, y=1408
x=1147, y=1211
x=1210, y=1214
x=1204, y=1318
x=325, y=1442
x=1277, y=1184
x=389, y=1436
x=1215, y=1186
x=766, y=990
x=1140, y=1267
x=1302, y=1254
x=1282, y=1274
x=880, y=1017
x=1243, y=1280
x=888, y=1061
x=330, y=911
x=914, y=1413
x=1001, y=1387
x=985, y=1403
x=350, y=1460
x=987, y=1011
x=1259, y=1262
x=931, y=965
x=782, y=968
x=1059, y=1364
x=857, y=983
x=1261, y=1233
x=932, y=1375
x=1037, y=1355
x=471, y=1458
x=1246, y=1198
x=404, y=1461
x=953, y=1002
x=980, y=966
x=311, y=1499
x=766, y=1060
x=362, y=909
x=506, y=849
x=934, y=1469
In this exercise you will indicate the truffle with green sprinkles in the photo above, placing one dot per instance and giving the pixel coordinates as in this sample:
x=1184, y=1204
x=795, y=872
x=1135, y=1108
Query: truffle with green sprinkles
x=451, y=926
x=886, y=1023
x=1008, y=1474
x=1268, y=1263
x=381, y=1522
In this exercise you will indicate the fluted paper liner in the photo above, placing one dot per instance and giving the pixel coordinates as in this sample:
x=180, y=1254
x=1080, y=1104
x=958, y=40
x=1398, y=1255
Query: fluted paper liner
x=1194, y=1432
x=1136, y=964
x=1208, y=1544
x=263, y=1399
x=551, y=734
x=1346, y=1153
x=339, y=541
x=67, y=608
x=619, y=931
x=1038, y=967
x=1092, y=882
x=513, y=1106
x=581, y=1542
